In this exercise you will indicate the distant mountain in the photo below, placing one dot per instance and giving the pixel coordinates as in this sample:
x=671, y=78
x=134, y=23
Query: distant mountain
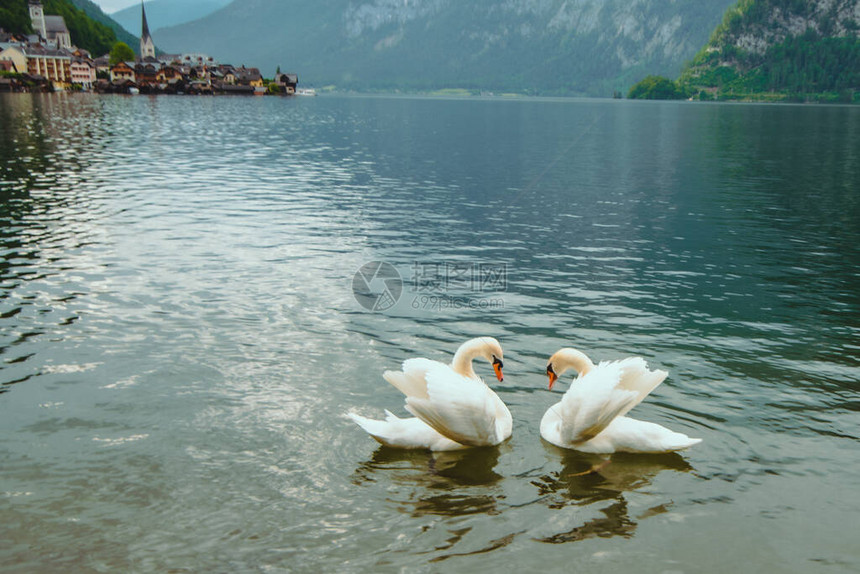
x=565, y=47
x=164, y=13
x=96, y=13
x=781, y=49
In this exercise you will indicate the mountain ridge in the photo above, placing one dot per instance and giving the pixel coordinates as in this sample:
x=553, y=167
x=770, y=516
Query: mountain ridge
x=94, y=12
x=164, y=13
x=546, y=47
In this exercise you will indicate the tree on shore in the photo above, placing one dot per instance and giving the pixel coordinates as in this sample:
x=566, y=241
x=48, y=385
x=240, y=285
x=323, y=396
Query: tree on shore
x=656, y=88
x=121, y=53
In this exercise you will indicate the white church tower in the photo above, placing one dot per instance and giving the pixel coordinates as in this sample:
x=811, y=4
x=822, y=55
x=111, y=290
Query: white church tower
x=37, y=17
x=147, y=46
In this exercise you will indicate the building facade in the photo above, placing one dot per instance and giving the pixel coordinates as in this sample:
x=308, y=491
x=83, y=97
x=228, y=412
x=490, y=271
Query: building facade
x=122, y=72
x=53, y=65
x=82, y=73
x=17, y=57
x=57, y=33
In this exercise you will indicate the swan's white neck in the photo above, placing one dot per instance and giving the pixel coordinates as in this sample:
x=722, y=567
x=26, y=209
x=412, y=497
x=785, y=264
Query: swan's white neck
x=468, y=351
x=572, y=359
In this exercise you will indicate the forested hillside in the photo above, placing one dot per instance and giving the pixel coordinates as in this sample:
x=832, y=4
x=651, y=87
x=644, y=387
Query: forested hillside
x=15, y=17
x=92, y=10
x=781, y=49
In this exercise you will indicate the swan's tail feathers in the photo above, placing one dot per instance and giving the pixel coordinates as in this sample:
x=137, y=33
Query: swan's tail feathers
x=374, y=428
x=409, y=433
x=689, y=442
x=390, y=417
x=680, y=442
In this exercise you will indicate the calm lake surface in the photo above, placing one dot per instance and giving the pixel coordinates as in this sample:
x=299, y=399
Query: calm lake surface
x=180, y=337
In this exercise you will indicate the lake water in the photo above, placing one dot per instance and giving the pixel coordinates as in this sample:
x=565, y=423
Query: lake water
x=180, y=337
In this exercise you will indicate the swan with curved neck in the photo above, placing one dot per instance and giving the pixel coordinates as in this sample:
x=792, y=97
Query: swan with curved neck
x=453, y=407
x=566, y=359
x=590, y=416
x=482, y=347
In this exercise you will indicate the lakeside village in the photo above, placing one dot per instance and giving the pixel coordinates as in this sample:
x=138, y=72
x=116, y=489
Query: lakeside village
x=47, y=61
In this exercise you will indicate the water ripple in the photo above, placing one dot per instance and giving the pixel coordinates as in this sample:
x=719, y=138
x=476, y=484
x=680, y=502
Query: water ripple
x=179, y=339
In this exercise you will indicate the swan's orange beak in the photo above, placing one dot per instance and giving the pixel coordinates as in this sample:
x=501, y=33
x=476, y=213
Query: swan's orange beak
x=552, y=376
x=497, y=367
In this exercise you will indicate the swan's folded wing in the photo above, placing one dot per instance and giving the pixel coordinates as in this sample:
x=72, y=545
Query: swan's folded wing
x=458, y=407
x=411, y=380
x=635, y=376
x=592, y=402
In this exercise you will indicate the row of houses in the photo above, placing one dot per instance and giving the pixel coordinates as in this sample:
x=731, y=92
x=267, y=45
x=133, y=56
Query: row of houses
x=173, y=74
x=59, y=68
x=48, y=60
x=64, y=69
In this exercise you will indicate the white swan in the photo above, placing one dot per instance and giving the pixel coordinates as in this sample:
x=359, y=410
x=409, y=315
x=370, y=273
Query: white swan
x=590, y=416
x=454, y=408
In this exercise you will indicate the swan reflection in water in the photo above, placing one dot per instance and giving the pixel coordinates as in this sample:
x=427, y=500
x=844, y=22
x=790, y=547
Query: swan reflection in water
x=465, y=483
x=453, y=483
x=587, y=479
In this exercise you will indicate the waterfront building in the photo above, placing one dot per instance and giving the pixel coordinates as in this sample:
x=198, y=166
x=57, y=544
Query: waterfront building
x=15, y=54
x=249, y=77
x=42, y=61
x=121, y=72
x=286, y=83
x=197, y=60
x=83, y=73
x=167, y=59
x=102, y=64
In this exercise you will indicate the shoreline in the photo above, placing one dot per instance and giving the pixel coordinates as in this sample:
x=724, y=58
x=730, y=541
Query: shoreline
x=460, y=97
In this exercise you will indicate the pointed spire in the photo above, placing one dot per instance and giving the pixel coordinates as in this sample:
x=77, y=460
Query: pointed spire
x=147, y=46
x=144, y=27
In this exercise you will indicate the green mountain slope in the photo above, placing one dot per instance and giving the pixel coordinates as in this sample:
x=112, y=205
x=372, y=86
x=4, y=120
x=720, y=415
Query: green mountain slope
x=15, y=17
x=164, y=13
x=589, y=47
x=95, y=12
x=781, y=50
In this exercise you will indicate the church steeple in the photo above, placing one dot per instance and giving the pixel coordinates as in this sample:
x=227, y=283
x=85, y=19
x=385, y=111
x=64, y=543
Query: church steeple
x=37, y=17
x=147, y=46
